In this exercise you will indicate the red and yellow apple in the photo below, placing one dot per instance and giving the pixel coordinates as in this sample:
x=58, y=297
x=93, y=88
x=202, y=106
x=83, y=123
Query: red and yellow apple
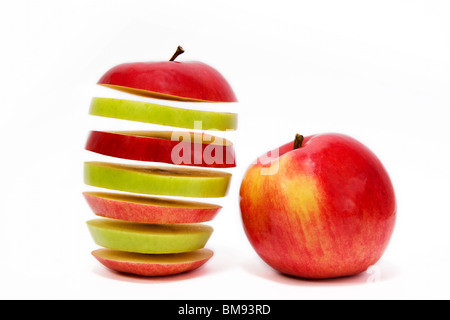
x=323, y=207
x=173, y=147
x=185, y=81
x=152, y=265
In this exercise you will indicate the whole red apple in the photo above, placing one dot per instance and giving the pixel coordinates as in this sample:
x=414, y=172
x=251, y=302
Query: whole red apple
x=324, y=207
x=173, y=80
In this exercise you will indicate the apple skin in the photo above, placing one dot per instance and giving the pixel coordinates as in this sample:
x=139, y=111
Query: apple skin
x=135, y=263
x=173, y=80
x=149, y=209
x=148, y=146
x=328, y=210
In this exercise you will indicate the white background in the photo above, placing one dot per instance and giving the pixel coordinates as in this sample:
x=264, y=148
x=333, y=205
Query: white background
x=376, y=70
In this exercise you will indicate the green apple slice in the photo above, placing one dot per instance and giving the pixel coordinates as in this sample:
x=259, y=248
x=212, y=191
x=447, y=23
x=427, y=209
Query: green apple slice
x=148, y=238
x=162, y=115
x=170, y=181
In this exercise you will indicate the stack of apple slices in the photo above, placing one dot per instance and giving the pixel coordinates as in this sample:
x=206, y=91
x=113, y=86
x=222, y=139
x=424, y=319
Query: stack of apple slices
x=147, y=235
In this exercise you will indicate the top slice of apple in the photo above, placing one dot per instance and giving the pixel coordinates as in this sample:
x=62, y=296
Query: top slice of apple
x=170, y=80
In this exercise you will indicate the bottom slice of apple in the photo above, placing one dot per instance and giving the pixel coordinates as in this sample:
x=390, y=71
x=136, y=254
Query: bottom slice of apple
x=142, y=209
x=152, y=265
x=149, y=238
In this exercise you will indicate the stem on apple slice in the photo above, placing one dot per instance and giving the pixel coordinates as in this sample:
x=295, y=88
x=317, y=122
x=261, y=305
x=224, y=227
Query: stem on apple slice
x=298, y=141
x=179, y=51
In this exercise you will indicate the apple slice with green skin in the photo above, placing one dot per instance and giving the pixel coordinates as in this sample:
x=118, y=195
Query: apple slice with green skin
x=149, y=209
x=151, y=265
x=184, y=81
x=169, y=181
x=173, y=147
x=162, y=115
x=149, y=238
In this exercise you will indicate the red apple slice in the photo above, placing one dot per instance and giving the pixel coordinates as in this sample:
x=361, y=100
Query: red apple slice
x=152, y=265
x=174, y=147
x=149, y=209
x=185, y=81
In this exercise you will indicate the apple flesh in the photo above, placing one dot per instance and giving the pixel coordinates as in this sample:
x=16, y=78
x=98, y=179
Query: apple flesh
x=151, y=265
x=162, y=115
x=180, y=148
x=325, y=209
x=171, y=181
x=172, y=80
x=141, y=209
x=149, y=238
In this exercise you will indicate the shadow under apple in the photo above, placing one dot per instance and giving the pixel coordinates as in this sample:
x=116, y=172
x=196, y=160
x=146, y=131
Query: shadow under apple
x=127, y=277
x=380, y=272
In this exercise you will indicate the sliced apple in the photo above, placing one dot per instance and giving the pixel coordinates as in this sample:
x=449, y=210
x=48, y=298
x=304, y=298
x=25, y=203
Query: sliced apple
x=152, y=265
x=162, y=115
x=170, y=181
x=185, y=81
x=149, y=209
x=173, y=147
x=149, y=238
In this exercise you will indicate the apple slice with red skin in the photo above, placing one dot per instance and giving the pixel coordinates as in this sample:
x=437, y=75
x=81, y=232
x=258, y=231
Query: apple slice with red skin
x=173, y=147
x=142, y=209
x=172, y=80
x=152, y=265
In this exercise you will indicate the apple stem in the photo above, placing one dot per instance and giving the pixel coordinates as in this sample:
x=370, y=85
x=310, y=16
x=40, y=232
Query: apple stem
x=179, y=51
x=298, y=141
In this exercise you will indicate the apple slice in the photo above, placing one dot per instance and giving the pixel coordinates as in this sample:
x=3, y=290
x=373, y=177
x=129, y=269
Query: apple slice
x=170, y=181
x=180, y=148
x=184, y=81
x=148, y=238
x=162, y=115
x=152, y=265
x=149, y=209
